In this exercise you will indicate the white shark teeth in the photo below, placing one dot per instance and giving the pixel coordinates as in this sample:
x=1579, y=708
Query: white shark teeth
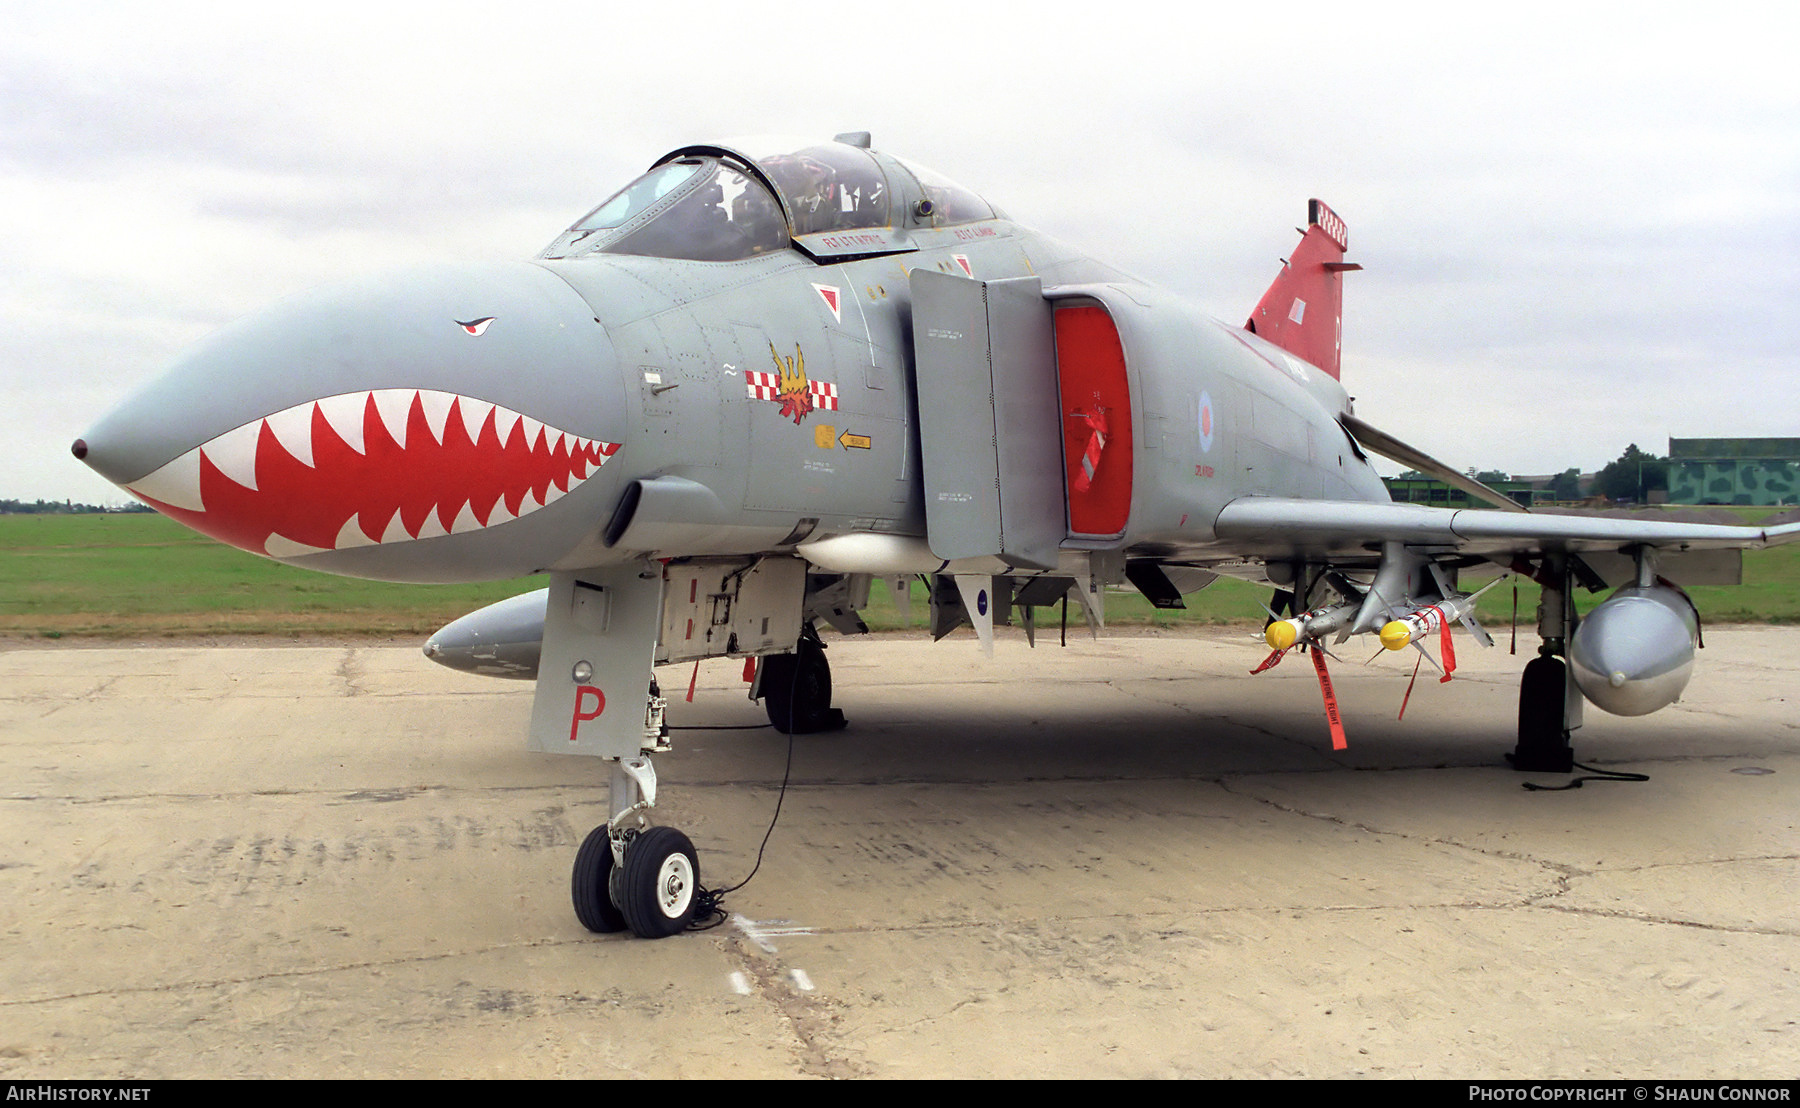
x=293, y=430
x=436, y=406
x=393, y=405
x=351, y=535
x=396, y=531
x=474, y=414
x=432, y=527
x=345, y=414
x=279, y=546
x=505, y=419
x=176, y=484
x=234, y=453
x=465, y=520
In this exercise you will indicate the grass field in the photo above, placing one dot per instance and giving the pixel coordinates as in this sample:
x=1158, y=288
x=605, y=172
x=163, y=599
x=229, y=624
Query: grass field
x=141, y=574
x=134, y=575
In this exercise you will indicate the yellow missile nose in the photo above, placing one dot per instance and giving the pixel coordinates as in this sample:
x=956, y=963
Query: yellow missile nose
x=1281, y=634
x=1396, y=635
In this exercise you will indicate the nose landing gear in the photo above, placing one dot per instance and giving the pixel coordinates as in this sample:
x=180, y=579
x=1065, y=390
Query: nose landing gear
x=631, y=875
x=652, y=892
x=600, y=627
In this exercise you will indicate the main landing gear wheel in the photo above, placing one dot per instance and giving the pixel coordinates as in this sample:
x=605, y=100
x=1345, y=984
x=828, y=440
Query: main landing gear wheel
x=591, y=884
x=1543, y=724
x=796, y=691
x=655, y=888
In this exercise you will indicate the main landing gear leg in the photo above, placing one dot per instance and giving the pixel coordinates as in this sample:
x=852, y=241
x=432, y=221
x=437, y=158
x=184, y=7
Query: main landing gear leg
x=1549, y=702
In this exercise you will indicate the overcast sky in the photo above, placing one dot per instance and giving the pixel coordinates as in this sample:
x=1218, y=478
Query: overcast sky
x=1578, y=222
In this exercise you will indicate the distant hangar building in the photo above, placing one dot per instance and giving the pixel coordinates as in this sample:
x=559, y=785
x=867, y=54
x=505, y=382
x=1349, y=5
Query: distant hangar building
x=1734, y=471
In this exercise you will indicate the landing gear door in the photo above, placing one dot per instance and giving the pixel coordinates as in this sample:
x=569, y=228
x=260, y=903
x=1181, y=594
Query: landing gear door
x=989, y=422
x=594, y=675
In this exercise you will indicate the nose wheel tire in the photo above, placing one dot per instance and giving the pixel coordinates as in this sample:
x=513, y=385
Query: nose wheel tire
x=655, y=888
x=591, y=882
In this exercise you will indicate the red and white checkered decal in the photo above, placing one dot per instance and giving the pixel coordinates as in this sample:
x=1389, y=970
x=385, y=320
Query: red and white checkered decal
x=762, y=386
x=1328, y=222
x=767, y=386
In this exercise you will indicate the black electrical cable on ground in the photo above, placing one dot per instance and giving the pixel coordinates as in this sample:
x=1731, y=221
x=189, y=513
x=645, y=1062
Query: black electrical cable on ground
x=708, y=909
x=1598, y=775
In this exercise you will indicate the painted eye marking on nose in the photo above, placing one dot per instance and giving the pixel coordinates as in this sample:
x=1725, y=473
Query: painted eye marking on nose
x=370, y=468
x=476, y=326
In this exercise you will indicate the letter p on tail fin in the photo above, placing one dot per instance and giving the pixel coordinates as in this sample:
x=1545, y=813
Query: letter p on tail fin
x=1303, y=310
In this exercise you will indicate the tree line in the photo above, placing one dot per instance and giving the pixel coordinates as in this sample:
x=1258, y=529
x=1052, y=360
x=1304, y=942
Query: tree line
x=1633, y=475
x=63, y=508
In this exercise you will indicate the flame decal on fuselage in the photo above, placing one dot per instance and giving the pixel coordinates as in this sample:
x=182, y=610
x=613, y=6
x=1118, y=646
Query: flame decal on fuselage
x=367, y=468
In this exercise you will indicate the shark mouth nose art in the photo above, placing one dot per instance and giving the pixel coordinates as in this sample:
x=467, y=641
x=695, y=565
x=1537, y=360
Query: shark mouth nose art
x=370, y=468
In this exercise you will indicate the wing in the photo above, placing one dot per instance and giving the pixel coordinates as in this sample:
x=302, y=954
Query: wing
x=1350, y=532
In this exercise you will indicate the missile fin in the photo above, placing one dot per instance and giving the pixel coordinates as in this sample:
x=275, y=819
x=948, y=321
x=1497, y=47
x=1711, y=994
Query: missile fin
x=1445, y=589
x=1416, y=645
x=1475, y=629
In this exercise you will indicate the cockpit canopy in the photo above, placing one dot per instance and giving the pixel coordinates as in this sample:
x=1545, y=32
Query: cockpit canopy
x=724, y=203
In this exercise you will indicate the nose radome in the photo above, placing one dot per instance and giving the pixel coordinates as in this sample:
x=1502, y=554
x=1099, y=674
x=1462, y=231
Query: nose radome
x=474, y=330
x=420, y=405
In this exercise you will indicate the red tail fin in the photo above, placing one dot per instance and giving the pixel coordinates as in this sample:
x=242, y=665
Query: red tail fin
x=1302, y=311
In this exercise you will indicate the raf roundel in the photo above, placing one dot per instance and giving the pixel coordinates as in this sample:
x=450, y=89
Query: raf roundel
x=1206, y=423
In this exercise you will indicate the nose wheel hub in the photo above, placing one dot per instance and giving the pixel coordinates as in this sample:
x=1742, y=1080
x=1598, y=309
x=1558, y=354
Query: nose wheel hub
x=675, y=885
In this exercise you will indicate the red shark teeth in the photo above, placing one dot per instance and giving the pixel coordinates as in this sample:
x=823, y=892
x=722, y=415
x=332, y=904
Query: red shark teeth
x=370, y=468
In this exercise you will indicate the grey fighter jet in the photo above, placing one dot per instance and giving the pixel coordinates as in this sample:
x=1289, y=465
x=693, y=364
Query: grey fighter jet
x=764, y=374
